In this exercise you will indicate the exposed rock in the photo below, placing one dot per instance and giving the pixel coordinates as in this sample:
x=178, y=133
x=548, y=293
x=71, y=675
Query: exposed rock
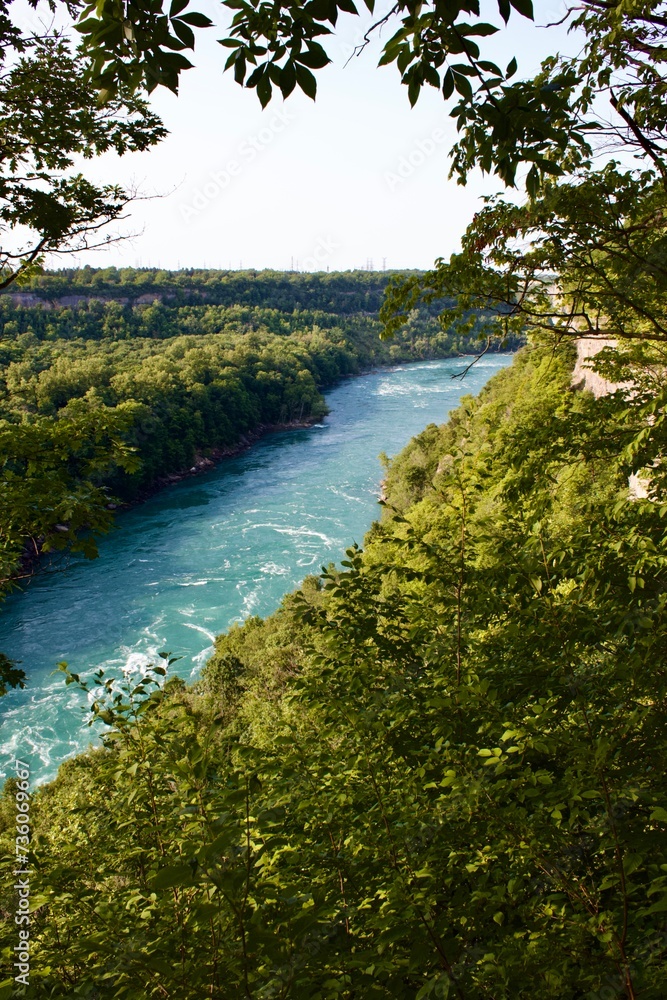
x=583, y=377
x=446, y=464
x=638, y=486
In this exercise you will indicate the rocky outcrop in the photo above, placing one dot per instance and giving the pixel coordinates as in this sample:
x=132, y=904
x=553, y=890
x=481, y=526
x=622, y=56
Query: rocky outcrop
x=583, y=376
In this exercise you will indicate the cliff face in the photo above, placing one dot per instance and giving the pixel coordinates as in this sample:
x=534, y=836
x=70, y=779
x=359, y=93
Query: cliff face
x=583, y=377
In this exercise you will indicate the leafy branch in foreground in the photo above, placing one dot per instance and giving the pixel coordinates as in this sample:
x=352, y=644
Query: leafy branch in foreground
x=586, y=258
x=538, y=128
x=50, y=115
x=585, y=255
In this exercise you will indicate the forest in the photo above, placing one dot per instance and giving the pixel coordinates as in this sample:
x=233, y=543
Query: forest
x=101, y=400
x=340, y=293
x=438, y=770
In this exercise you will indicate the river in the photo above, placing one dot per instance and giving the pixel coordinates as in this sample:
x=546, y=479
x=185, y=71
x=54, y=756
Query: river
x=212, y=550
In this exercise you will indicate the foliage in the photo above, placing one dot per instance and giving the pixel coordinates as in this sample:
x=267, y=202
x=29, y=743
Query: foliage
x=438, y=772
x=50, y=483
x=582, y=259
x=547, y=122
x=10, y=675
x=107, y=398
x=585, y=255
x=333, y=292
x=49, y=117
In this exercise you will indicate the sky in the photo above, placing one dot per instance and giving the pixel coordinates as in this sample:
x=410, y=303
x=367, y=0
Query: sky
x=355, y=179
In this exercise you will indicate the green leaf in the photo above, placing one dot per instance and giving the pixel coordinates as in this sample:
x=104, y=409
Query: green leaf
x=263, y=89
x=448, y=84
x=287, y=81
x=184, y=32
x=524, y=7
x=477, y=29
x=172, y=877
x=315, y=57
x=505, y=9
x=197, y=20
x=463, y=86
x=306, y=81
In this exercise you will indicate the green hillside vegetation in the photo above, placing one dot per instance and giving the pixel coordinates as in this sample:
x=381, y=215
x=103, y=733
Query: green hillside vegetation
x=437, y=772
x=336, y=292
x=101, y=399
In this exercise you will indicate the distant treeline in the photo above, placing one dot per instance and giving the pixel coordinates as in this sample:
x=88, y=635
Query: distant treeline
x=342, y=293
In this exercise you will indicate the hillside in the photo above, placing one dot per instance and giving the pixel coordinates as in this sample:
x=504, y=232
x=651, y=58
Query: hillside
x=439, y=772
x=113, y=382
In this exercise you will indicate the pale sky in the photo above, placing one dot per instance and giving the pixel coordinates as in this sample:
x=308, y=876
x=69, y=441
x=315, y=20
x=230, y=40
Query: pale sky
x=356, y=176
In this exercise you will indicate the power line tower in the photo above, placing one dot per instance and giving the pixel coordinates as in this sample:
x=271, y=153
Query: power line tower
x=384, y=263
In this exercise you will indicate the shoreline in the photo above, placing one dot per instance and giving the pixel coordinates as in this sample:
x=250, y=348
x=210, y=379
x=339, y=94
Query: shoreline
x=205, y=463
x=248, y=440
x=30, y=562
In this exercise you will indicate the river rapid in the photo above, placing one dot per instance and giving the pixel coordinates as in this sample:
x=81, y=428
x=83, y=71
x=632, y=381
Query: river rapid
x=211, y=550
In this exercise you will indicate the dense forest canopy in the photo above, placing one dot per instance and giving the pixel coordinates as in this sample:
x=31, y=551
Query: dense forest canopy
x=336, y=292
x=111, y=381
x=438, y=771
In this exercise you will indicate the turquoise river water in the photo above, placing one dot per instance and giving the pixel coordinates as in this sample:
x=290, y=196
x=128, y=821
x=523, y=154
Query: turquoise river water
x=210, y=551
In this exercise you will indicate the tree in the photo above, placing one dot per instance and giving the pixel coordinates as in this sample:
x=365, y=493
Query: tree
x=438, y=772
x=50, y=115
x=576, y=256
x=541, y=132
x=546, y=121
x=585, y=254
x=583, y=258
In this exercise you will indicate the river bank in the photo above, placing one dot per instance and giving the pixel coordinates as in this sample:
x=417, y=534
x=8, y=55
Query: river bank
x=34, y=561
x=33, y=556
x=207, y=459
x=211, y=550
x=205, y=462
